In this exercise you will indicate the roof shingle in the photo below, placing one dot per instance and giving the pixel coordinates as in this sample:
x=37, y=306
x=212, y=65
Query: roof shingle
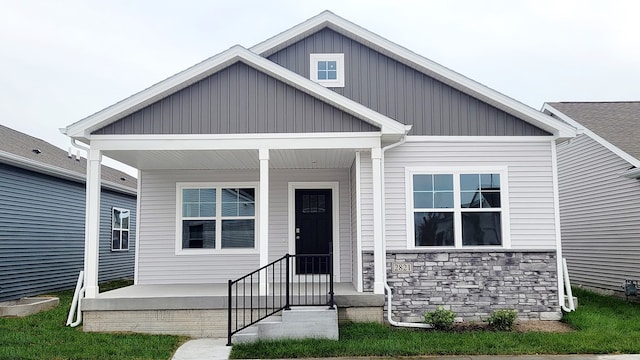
x=616, y=122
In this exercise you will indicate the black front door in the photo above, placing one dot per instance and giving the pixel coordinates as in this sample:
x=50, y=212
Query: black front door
x=313, y=231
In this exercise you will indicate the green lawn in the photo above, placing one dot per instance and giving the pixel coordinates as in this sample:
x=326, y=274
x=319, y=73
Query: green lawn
x=603, y=325
x=45, y=336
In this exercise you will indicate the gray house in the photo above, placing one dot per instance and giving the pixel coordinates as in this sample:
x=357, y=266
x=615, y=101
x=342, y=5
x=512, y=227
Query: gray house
x=42, y=218
x=598, y=175
x=327, y=138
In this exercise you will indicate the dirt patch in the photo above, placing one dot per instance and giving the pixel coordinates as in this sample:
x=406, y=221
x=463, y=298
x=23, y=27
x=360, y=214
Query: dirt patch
x=543, y=326
x=520, y=326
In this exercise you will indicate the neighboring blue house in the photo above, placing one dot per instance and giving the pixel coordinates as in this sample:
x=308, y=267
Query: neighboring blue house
x=42, y=218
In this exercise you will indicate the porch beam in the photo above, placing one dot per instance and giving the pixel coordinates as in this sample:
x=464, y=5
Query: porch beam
x=379, y=253
x=263, y=217
x=92, y=223
x=234, y=142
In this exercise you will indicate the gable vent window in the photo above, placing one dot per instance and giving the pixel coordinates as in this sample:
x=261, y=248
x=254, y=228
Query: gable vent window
x=327, y=69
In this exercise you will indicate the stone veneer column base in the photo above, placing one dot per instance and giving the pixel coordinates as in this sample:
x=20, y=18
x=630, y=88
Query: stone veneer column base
x=473, y=284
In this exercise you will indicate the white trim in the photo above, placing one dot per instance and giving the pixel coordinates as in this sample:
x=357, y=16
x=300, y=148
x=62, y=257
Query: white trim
x=92, y=227
x=313, y=69
x=616, y=150
x=505, y=218
x=359, y=283
x=42, y=168
x=409, y=58
x=236, y=141
x=219, y=218
x=483, y=139
x=379, y=251
x=334, y=186
x=262, y=210
x=84, y=127
x=136, y=256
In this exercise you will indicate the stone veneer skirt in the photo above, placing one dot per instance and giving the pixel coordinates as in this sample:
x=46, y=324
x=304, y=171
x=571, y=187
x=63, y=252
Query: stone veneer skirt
x=471, y=283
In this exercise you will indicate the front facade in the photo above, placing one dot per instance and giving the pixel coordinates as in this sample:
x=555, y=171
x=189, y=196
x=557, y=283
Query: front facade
x=599, y=193
x=330, y=138
x=42, y=218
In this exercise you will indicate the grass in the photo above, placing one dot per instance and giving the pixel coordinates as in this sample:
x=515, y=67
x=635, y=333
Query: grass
x=45, y=336
x=604, y=325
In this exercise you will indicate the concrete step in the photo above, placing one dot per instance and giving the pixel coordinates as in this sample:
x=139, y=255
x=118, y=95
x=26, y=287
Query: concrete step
x=302, y=322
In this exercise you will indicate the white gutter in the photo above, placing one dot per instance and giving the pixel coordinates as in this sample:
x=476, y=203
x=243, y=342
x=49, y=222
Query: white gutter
x=75, y=304
x=384, y=246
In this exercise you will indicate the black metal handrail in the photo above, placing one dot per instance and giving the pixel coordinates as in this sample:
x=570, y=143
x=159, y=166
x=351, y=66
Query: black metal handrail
x=247, y=306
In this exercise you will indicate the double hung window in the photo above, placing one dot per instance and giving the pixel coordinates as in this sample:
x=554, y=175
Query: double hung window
x=457, y=209
x=120, y=229
x=216, y=216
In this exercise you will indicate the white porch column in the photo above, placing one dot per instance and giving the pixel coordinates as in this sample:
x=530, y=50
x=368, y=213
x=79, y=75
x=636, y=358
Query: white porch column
x=263, y=216
x=379, y=253
x=92, y=223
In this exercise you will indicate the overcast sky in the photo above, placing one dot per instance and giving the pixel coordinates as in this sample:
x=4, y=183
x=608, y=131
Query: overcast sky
x=61, y=61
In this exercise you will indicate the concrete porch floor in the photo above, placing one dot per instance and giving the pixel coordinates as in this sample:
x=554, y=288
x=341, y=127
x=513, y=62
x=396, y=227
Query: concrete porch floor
x=200, y=310
x=210, y=296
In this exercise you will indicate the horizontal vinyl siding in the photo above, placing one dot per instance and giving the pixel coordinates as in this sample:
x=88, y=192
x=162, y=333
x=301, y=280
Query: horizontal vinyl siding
x=158, y=263
x=530, y=184
x=599, y=215
x=42, y=234
x=366, y=201
x=237, y=100
x=402, y=93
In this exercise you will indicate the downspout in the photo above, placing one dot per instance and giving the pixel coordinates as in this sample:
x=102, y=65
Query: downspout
x=384, y=245
x=78, y=294
x=560, y=265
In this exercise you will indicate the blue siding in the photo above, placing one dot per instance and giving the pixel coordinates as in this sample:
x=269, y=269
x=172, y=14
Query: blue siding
x=42, y=233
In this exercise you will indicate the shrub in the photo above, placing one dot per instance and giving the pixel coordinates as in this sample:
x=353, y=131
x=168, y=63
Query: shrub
x=440, y=318
x=502, y=320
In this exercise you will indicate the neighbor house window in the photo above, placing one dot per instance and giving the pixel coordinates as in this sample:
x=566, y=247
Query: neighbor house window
x=327, y=69
x=120, y=222
x=217, y=217
x=457, y=209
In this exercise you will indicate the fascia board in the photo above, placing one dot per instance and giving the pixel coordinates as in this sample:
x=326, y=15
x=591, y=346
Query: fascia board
x=83, y=128
x=42, y=168
x=419, y=63
x=582, y=129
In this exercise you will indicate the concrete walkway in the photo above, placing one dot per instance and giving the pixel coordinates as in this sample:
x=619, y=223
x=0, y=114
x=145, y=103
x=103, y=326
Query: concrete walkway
x=216, y=349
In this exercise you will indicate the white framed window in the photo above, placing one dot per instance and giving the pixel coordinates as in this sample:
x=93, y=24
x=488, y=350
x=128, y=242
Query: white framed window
x=215, y=216
x=120, y=222
x=460, y=208
x=327, y=69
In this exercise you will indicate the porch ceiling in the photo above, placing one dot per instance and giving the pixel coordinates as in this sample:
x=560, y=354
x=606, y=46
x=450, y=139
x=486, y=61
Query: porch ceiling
x=233, y=159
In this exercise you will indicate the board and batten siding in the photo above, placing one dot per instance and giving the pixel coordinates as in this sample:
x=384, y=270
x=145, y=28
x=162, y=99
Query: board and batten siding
x=401, y=92
x=599, y=215
x=42, y=233
x=237, y=100
x=530, y=182
x=158, y=263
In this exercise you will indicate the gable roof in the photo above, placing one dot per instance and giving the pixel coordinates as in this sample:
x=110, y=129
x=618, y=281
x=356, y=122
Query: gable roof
x=83, y=128
x=28, y=152
x=329, y=20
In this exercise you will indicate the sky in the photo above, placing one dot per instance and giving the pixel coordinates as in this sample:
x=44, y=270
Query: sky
x=63, y=60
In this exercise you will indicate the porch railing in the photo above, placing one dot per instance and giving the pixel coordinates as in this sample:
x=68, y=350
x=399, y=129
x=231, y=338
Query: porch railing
x=292, y=280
